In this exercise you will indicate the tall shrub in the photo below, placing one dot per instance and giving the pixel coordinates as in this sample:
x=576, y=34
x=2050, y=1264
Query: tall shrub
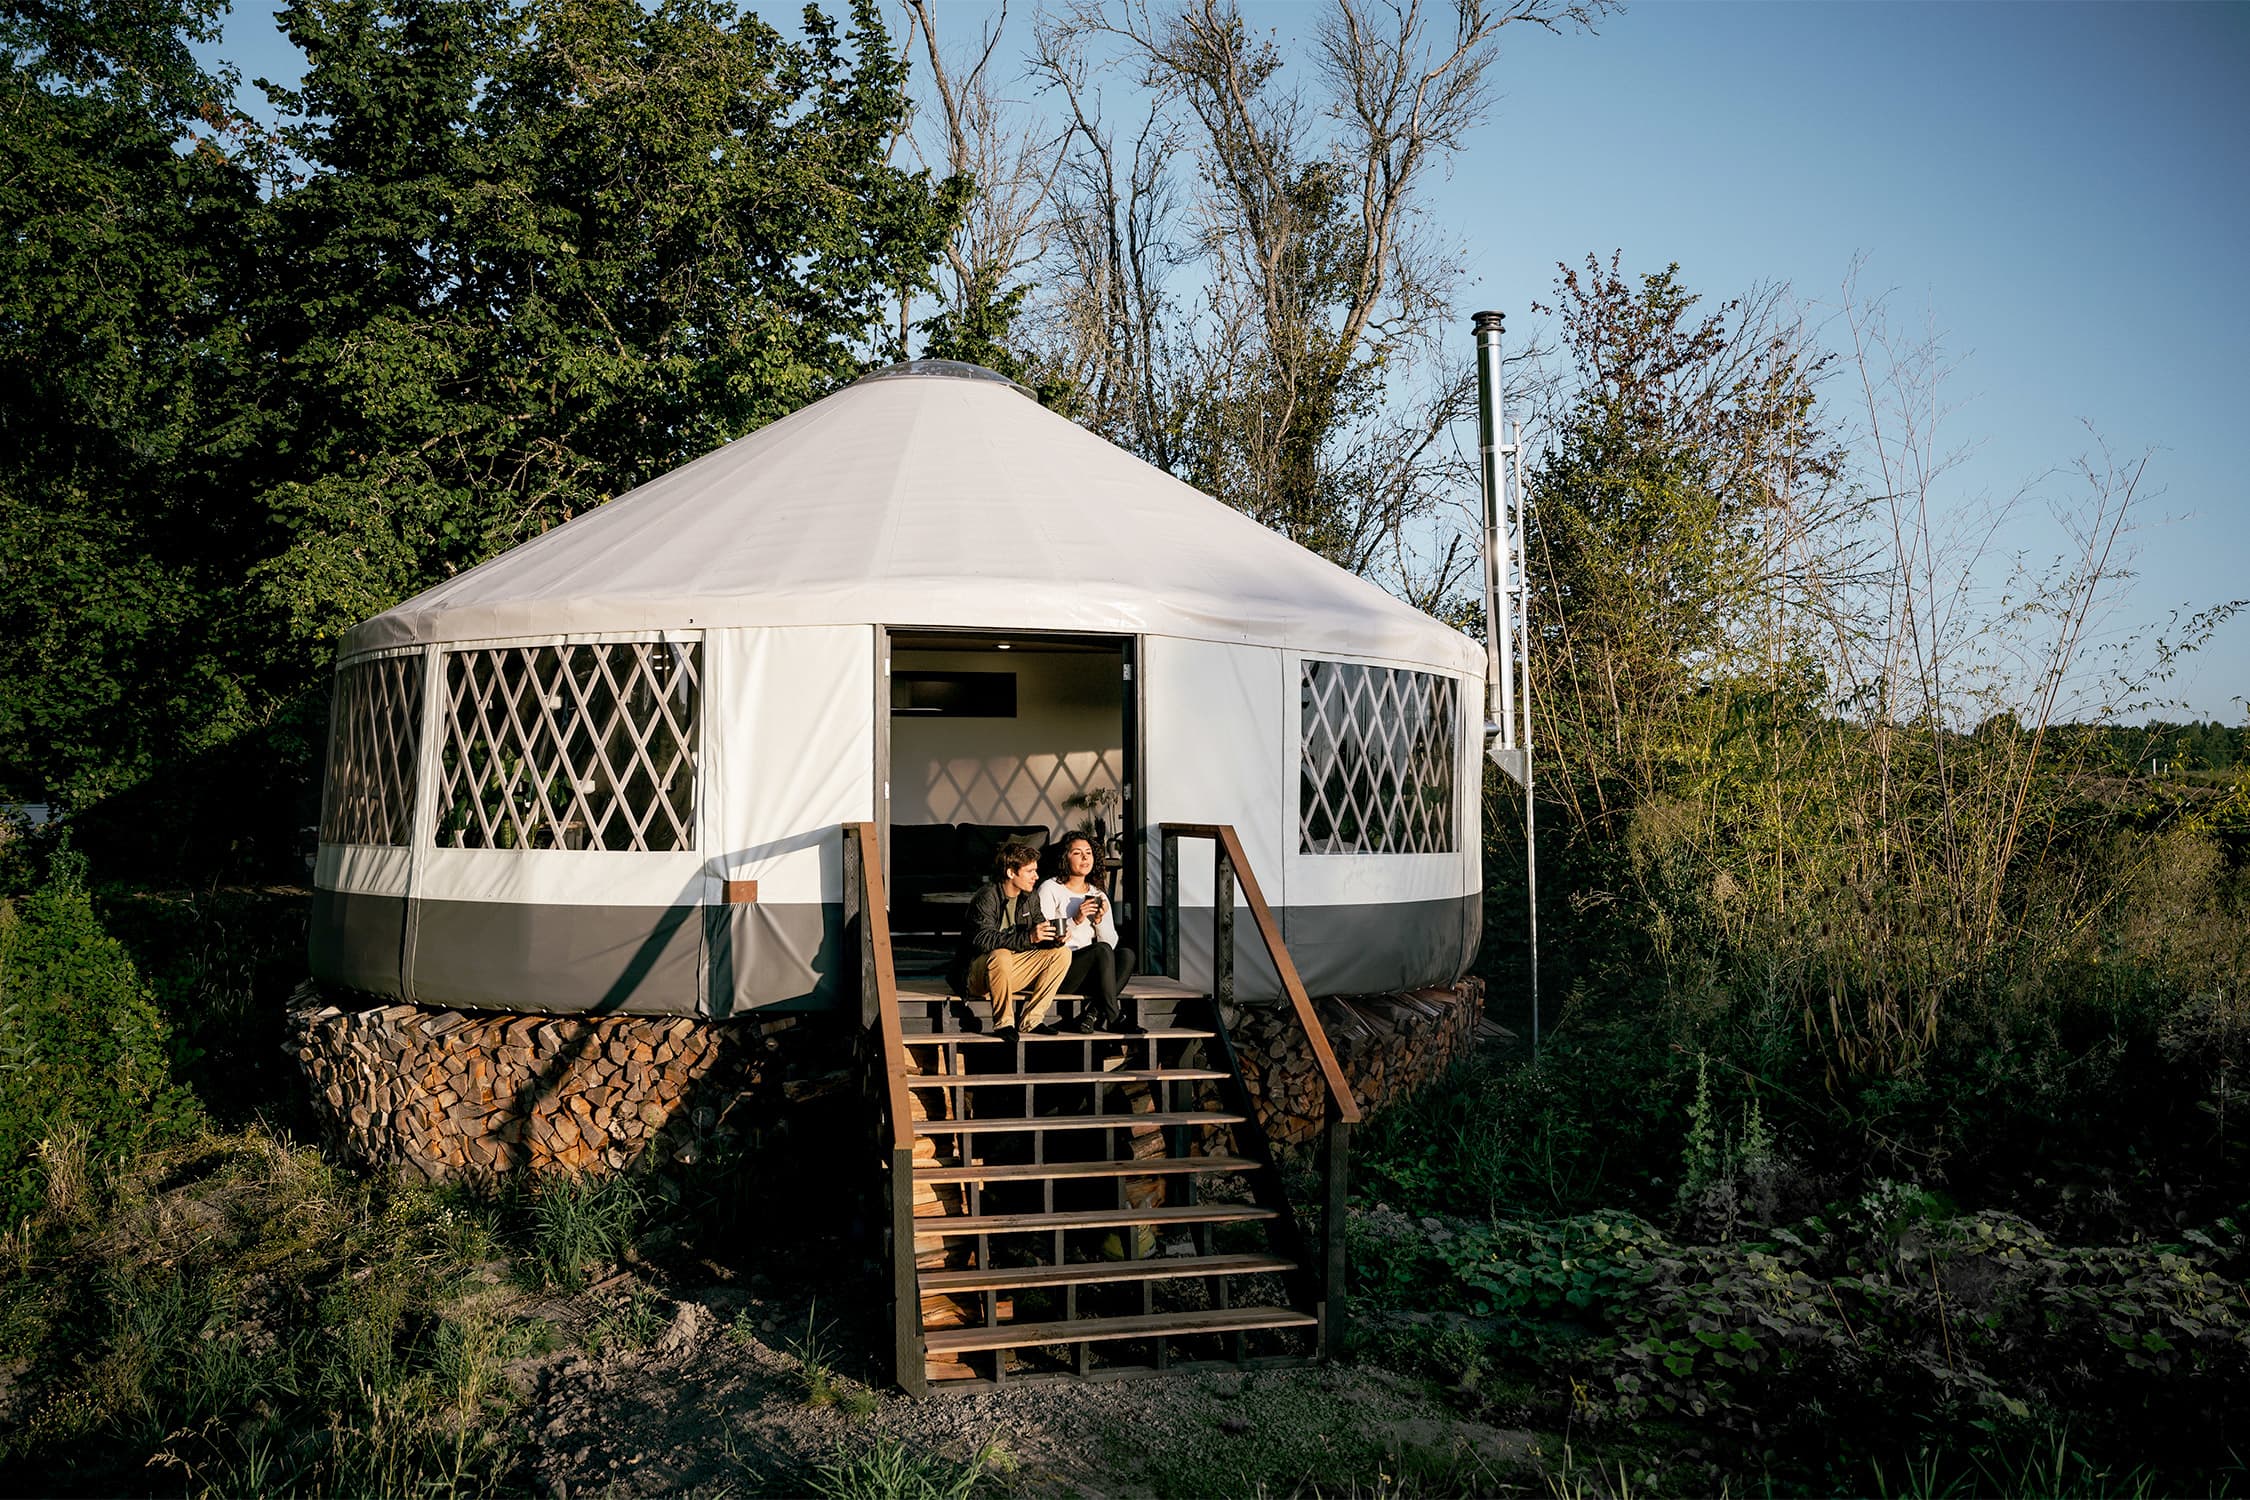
x=83, y=1059
x=1824, y=775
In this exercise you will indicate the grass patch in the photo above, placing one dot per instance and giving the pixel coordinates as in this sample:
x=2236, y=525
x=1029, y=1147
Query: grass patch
x=579, y=1223
x=631, y=1324
x=823, y=1385
x=243, y=1317
x=891, y=1469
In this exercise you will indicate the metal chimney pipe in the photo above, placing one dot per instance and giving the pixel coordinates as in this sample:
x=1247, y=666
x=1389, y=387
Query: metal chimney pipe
x=1499, y=647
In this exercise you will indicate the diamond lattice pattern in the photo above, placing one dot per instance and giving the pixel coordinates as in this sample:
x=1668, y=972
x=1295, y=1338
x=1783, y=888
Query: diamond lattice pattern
x=571, y=747
x=1377, y=774
x=1021, y=789
x=374, y=741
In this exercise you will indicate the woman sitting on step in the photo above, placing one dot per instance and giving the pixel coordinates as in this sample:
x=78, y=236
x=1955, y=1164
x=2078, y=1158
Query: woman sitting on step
x=1009, y=954
x=1099, y=968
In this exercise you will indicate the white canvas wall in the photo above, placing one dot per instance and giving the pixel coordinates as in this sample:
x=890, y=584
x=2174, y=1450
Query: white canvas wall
x=790, y=755
x=1214, y=730
x=359, y=867
x=1068, y=737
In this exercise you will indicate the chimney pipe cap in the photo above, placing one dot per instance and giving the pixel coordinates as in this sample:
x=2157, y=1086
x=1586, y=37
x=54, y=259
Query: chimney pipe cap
x=1490, y=321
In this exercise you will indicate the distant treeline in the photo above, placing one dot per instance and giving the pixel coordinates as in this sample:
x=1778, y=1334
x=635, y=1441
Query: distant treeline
x=2161, y=748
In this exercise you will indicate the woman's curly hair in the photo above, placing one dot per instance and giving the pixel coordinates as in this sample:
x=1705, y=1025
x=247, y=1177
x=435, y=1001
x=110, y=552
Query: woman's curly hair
x=1061, y=852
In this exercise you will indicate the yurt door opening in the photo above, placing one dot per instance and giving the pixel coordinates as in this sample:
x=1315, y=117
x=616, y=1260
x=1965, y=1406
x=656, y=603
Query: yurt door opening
x=993, y=738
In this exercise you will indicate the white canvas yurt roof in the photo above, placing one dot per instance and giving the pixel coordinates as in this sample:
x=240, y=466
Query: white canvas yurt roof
x=932, y=494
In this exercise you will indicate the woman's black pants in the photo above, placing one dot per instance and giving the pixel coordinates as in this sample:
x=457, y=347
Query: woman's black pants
x=1100, y=973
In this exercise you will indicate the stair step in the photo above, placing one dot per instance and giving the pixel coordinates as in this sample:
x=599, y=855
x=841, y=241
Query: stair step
x=1038, y=1171
x=1080, y=1274
x=1090, y=1330
x=1074, y=1122
x=959, y=1226
x=1153, y=1034
x=1018, y=1080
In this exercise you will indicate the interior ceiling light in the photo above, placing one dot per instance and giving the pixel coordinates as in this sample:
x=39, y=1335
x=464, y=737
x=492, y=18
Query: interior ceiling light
x=1003, y=645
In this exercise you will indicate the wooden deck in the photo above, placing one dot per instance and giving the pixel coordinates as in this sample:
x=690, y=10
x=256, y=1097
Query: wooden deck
x=1143, y=987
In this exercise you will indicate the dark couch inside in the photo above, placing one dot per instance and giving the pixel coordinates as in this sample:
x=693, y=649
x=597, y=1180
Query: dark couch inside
x=945, y=859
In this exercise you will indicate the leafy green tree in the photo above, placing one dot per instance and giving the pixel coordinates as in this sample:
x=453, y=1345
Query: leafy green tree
x=504, y=260
x=1680, y=519
x=547, y=252
x=121, y=365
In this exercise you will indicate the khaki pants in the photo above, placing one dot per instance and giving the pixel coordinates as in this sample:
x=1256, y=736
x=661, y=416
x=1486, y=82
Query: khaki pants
x=1001, y=975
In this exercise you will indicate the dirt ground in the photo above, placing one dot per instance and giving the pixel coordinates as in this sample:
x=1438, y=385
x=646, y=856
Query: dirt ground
x=748, y=1387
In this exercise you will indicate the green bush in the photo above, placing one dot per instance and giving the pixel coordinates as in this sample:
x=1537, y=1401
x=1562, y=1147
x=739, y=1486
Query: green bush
x=223, y=965
x=83, y=1061
x=1594, y=1121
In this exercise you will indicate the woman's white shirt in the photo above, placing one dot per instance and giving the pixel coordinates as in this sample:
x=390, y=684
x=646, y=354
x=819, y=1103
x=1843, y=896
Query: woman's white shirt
x=1059, y=903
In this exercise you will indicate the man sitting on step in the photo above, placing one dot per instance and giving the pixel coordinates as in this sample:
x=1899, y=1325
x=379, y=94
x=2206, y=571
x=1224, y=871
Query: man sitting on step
x=1009, y=954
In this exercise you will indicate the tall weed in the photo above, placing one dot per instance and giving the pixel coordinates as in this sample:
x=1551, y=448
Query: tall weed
x=891, y=1469
x=579, y=1222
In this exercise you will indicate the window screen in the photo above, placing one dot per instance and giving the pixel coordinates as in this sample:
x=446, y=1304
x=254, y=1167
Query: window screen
x=374, y=741
x=571, y=747
x=1377, y=773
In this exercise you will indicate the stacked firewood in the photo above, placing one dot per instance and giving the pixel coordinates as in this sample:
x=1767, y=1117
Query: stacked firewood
x=447, y=1095
x=1388, y=1046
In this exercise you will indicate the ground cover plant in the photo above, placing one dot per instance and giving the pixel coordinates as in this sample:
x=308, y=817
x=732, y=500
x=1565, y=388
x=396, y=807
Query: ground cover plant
x=1810, y=1352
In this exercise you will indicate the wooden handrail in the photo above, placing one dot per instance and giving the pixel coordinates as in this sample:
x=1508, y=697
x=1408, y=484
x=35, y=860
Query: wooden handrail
x=1339, y=1092
x=875, y=920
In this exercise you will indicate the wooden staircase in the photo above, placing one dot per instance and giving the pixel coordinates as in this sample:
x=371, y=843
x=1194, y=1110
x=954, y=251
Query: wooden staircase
x=1087, y=1206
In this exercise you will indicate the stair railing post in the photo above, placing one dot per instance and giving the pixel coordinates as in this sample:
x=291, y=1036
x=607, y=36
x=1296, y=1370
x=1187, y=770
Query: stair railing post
x=1222, y=928
x=1335, y=1153
x=1231, y=867
x=906, y=1292
x=1168, y=912
x=864, y=895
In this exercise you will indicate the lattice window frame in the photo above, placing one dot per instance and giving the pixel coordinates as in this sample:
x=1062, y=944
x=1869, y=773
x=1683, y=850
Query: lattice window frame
x=374, y=752
x=1378, y=760
x=543, y=746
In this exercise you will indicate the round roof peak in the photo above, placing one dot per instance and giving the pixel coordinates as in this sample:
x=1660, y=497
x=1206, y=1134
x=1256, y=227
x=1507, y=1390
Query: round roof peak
x=941, y=369
x=923, y=504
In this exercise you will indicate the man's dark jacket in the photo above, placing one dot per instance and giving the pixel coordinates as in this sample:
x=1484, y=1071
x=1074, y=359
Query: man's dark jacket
x=998, y=918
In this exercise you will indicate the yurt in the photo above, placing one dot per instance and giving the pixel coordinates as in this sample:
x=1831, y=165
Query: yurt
x=609, y=770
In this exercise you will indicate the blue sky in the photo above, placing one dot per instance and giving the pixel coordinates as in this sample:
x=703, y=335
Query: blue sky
x=2062, y=189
